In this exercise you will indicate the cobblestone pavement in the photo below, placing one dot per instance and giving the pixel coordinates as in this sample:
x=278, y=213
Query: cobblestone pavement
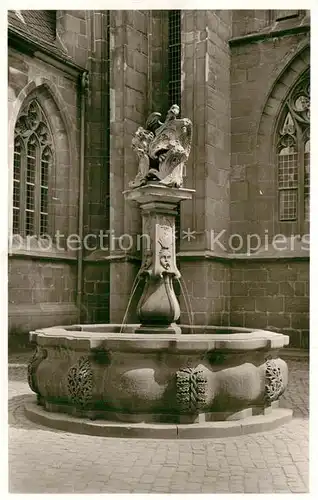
x=49, y=461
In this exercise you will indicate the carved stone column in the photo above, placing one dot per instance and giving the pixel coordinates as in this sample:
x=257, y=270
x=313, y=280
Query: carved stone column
x=158, y=308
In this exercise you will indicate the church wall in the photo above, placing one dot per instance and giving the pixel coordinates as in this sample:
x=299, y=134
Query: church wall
x=206, y=101
x=42, y=284
x=272, y=293
x=95, y=285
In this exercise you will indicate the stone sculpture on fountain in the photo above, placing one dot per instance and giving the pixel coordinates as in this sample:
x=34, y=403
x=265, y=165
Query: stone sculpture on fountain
x=162, y=149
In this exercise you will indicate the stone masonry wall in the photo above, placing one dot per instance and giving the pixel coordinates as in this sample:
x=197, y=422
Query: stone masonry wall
x=208, y=288
x=72, y=32
x=95, y=303
x=272, y=295
x=205, y=91
x=30, y=291
x=41, y=294
x=206, y=100
x=245, y=22
x=82, y=35
x=130, y=69
x=255, y=69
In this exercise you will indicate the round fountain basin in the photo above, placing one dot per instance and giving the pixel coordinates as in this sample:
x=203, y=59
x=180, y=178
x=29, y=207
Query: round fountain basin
x=216, y=376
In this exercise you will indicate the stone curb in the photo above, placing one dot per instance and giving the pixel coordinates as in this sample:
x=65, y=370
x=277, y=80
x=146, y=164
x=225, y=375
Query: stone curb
x=67, y=423
x=291, y=353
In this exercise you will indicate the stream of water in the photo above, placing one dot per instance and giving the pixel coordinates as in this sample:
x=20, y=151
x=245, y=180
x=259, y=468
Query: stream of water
x=132, y=293
x=185, y=293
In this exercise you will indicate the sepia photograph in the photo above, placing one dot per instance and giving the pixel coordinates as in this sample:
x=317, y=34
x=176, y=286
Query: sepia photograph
x=158, y=250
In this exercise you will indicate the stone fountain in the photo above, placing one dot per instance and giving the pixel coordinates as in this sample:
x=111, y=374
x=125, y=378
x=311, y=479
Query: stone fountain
x=153, y=379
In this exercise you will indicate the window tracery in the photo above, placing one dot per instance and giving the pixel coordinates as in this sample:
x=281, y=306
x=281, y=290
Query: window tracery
x=293, y=151
x=33, y=159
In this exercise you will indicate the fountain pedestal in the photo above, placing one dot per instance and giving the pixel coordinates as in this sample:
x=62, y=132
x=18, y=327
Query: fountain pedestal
x=158, y=308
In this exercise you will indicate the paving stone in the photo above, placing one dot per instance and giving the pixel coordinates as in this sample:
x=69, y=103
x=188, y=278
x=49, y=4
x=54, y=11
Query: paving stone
x=159, y=489
x=195, y=487
x=207, y=489
x=147, y=479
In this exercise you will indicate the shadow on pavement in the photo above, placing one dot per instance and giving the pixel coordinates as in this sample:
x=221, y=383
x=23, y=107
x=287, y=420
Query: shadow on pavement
x=17, y=418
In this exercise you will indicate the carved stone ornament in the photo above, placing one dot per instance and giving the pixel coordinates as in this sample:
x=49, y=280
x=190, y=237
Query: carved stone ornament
x=296, y=116
x=161, y=260
x=299, y=101
x=38, y=356
x=165, y=251
x=147, y=263
x=274, y=386
x=32, y=124
x=191, y=389
x=80, y=382
x=162, y=149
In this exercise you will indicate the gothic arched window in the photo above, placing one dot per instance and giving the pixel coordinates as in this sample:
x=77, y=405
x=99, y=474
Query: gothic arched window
x=293, y=155
x=33, y=159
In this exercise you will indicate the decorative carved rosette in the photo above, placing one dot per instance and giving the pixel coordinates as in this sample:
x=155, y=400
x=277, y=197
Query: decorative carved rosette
x=38, y=356
x=80, y=381
x=191, y=389
x=274, y=386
